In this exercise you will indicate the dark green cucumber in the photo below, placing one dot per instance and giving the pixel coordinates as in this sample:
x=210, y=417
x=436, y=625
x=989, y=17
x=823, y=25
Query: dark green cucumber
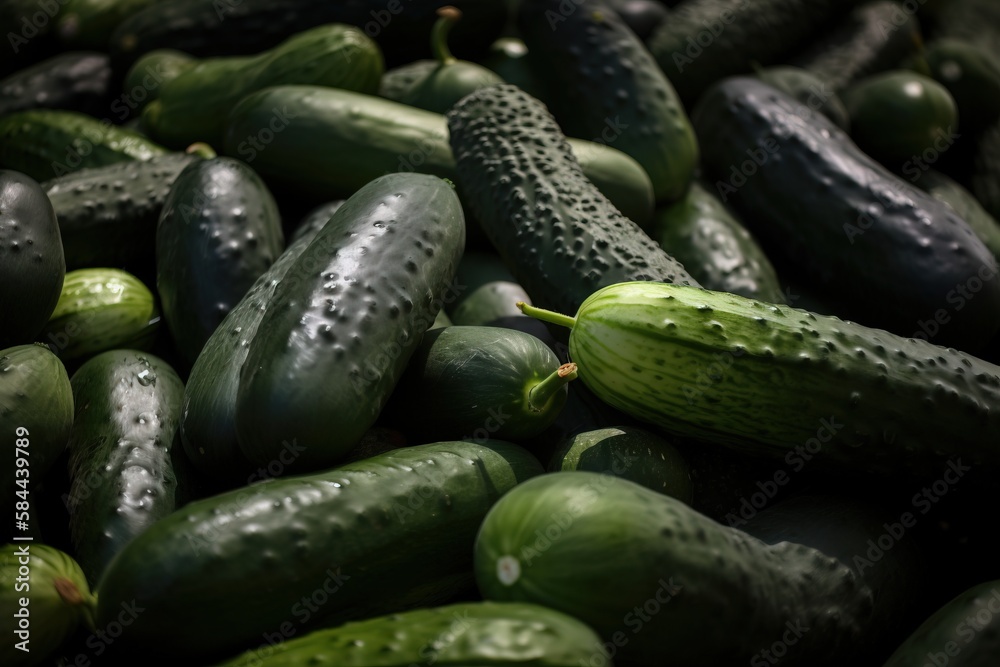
x=899, y=115
x=693, y=362
x=972, y=76
x=986, y=227
x=469, y=633
x=101, y=309
x=147, y=76
x=605, y=86
x=891, y=255
x=345, y=320
x=707, y=40
x=975, y=22
x=488, y=293
x=874, y=37
x=90, y=23
x=219, y=230
x=508, y=58
x=962, y=633
x=128, y=405
x=366, y=137
x=678, y=587
x=208, y=428
x=379, y=536
x=630, y=453
x=107, y=215
x=477, y=382
x=77, y=80
x=193, y=106
x=715, y=247
x=32, y=265
x=45, y=143
x=557, y=233
x=315, y=219
x=642, y=17
x=36, y=415
x=809, y=89
x=986, y=170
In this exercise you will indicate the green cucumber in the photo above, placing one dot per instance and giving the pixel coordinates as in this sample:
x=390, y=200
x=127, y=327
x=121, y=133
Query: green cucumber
x=315, y=219
x=101, y=309
x=380, y=535
x=90, y=23
x=77, y=80
x=693, y=362
x=469, y=633
x=346, y=318
x=47, y=588
x=715, y=247
x=986, y=227
x=193, y=106
x=809, y=89
x=32, y=265
x=128, y=405
x=630, y=453
x=479, y=382
x=147, y=76
x=605, y=86
x=45, y=143
x=219, y=230
x=986, y=170
x=489, y=293
x=107, y=215
x=975, y=22
x=557, y=233
x=972, y=76
x=208, y=427
x=366, y=137
x=508, y=58
x=892, y=256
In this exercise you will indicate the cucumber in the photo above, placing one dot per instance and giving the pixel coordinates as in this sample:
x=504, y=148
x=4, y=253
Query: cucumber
x=315, y=219
x=693, y=361
x=508, y=59
x=489, y=293
x=605, y=86
x=32, y=265
x=193, y=106
x=962, y=633
x=345, y=320
x=975, y=22
x=148, y=74
x=479, y=382
x=972, y=76
x=47, y=587
x=77, y=80
x=107, y=215
x=986, y=170
x=208, y=428
x=630, y=453
x=469, y=633
x=557, y=233
x=715, y=247
x=642, y=17
x=986, y=227
x=90, y=23
x=101, y=309
x=893, y=256
x=45, y=143
x=366, y=137
x=219, y=230
x=809, y=89
x=670, y=584
x=128, y=405
x=380, y=535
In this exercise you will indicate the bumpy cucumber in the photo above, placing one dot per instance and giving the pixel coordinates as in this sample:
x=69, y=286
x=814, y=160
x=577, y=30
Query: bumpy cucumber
x=78, y=81
x=32, y=265
x=559, y=235
x=101, y=309
x=219, y=230
x=693, y=362
x=715, y=247
x=965, y=205
x=605, y=86
x=892, y=255
x=251, y=555
x=470, y=633
x=346, y=319
x=128, y=405
x=367, y=137
x=479, y=382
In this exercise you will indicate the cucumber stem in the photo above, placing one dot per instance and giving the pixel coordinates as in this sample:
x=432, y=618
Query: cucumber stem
x=201, y=149
x=542, y=393
x=546, y=315
x=448, y=16
x=73, y=596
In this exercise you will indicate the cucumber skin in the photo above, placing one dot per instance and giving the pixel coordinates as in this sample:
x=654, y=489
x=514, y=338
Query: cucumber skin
x=729, y=589
x=557, y=233
x=76, y=81
x=607, y=87
x=986, y=172
x=965, y=205
x=346, y=319
x=250, y=555
x=881, y=264
x=117, y=492
x=808, y=89
x=369, y=137
x=481, y=633
x=693, y=362
x=218, y=231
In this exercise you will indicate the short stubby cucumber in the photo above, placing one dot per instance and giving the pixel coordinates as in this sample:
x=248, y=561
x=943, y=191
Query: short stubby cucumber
x=767, y=379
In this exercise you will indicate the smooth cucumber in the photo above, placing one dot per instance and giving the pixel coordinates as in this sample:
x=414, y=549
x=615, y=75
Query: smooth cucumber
x=77, y=80
x=986, y=227
x=972, y=76
x=986, y=170
x=380, y=535
x=149, y=73
x=489, y=293
x=90, y=23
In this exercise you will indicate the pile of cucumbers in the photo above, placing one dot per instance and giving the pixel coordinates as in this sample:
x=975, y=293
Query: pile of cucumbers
x=388, y=333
